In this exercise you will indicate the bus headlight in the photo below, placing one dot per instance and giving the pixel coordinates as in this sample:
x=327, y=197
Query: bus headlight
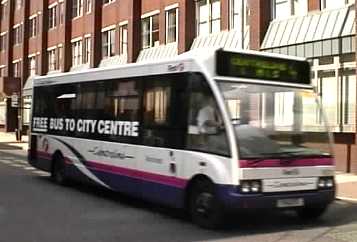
x=252, y=186
x=255, y=186
x=325, y=182
x=245, y=187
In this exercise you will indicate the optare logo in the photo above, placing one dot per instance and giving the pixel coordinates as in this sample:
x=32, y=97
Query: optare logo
x=45, y=144
x=176, y=67
x=291, y=172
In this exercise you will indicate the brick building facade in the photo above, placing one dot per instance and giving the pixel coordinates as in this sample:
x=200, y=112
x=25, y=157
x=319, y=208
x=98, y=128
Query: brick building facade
x=42, y=37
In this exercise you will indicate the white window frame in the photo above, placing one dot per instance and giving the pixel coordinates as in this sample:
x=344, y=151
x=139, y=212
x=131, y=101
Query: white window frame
x=291, y=5
x=323, y=4
x=3, y=40
x=52, y=60
x=110, y=43
x=18, y=4
x=16, y=65
x=33, y=27
x=2, y=70
x=3, y=9
x=107, y=2
x=32, y=65
x=167, y=12
x=209, y=20
x=17, y=34
x=123, y=42
x=87, y=49
x=150, y=17
x=77, y=51
x=88, y=6
x=52, y=16
x=78, y=11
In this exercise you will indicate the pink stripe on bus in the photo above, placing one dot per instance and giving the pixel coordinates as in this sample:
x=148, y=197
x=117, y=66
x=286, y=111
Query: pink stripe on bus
x=168, y=180
x=147, y=176
x=286, y=162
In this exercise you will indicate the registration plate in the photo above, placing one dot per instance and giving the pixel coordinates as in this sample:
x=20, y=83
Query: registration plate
x=290, y=202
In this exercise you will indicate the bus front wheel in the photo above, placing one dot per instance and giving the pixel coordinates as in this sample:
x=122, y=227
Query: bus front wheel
x=59, y=170
x=205, y=210
x=311, y=212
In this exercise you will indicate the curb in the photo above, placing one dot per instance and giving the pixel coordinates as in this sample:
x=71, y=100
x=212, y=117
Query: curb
x=347, y=199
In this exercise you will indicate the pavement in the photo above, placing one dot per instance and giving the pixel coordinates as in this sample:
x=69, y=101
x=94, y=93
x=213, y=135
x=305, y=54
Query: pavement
x=346, y=182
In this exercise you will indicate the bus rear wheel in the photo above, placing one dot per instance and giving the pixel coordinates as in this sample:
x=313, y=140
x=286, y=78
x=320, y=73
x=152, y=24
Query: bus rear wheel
x=311, y=212
x=205, y=209
x=58, y=173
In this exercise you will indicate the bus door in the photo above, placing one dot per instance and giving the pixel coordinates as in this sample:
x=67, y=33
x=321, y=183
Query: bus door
x=163, y=136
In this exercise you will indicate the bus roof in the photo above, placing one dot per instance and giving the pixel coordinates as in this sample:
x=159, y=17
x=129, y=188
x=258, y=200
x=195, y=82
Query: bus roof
x=201, y=59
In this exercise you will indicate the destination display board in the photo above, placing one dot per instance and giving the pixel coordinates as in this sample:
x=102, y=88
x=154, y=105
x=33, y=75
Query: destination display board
x=262, y=67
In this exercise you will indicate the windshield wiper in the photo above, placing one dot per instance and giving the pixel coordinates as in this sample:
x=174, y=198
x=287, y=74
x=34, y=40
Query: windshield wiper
x=284, y=156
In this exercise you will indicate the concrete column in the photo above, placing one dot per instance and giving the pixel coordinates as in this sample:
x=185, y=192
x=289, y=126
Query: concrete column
x=42, y=36
x=9, y=42
x=134, y=31
x=225, y=14
x=66, y=62
x=25, y=42
x=187, y=25
x=260, y=17
x=96, y=48
x=314, y=5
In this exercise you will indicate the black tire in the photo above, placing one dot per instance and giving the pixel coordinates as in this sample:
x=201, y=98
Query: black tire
x=311, y=212
x=58, y=173
x=205, y=210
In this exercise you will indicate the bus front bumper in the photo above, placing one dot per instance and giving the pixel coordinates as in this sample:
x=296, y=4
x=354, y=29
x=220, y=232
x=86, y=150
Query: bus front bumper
x=233, y=199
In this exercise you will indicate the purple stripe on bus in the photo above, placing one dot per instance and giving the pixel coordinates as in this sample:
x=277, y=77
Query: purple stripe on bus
x=147, y=176
x=287, y=163
x=48, y=156
x=152, y=177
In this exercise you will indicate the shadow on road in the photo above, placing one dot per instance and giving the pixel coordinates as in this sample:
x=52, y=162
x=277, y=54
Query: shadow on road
x=239, y=224
x=8, y=146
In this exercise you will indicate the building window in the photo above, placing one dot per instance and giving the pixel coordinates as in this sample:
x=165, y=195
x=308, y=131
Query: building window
x=2, y=41
x=3, y=7
x=61, y=12
x=77, y=53
x=88, y=6
x=17, y=35
x=17, y=68
x=2, y=70
x=123, y=39
x=32, y=65
x=239, y=11
x=18, y=4
x=208, y=16
x=108, y=43
x=60, y=55
x=171, y=25
x=108, y=1
x=87, y=49
x=33, y=27
x=286, y=8
x=333, y=4
x=52, y=60
x=52, y=17
x=150, y=31
x=77, y=8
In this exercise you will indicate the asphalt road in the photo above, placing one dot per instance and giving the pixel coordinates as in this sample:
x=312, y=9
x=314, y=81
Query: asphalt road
x=33, y=209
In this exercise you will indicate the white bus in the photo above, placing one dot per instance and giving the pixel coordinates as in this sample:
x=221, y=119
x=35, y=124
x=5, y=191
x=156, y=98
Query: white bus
x=210, y=131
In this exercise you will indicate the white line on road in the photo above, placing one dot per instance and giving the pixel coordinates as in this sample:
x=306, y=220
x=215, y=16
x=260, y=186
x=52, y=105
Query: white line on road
x=29, y=168
x=41, y=173
x=17, y=165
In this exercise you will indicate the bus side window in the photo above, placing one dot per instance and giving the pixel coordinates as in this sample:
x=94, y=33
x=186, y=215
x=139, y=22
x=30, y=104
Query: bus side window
x=205, y=126
x=164, y=111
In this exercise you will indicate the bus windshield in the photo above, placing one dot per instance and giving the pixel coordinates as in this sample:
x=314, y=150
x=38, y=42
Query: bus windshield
x=275, y=121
